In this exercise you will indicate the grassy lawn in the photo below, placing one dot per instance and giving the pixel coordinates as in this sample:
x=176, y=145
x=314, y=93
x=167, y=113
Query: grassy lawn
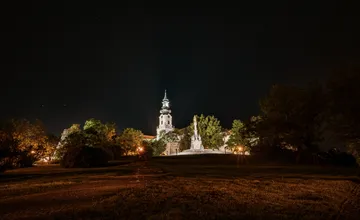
x=186, y=187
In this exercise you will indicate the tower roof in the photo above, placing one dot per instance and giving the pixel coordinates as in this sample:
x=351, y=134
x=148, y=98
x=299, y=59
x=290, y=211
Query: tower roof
x=165, y=109
x=165, y=96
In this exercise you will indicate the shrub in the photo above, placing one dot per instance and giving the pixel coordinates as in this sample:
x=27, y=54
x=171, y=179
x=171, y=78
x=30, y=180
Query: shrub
x=84, y=157
x=147, y=153
x=158, y=147
x=10, y=156
x=337, y=158
x=115, y=152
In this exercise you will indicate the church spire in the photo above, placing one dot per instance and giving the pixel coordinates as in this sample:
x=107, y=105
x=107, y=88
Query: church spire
x=165, y=119
x=165, y=96
x=165, y=105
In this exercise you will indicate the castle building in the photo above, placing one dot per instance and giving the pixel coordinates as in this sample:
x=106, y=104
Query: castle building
x=165, y=119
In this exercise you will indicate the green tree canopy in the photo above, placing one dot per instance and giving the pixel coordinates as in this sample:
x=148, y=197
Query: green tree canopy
x=237, y=135
x=158, y=147
x=99, y=134
x=94, y=131
x=129, y=140
x=95, y=124
x=185, y=138
x=169, y=137
x=210, y=131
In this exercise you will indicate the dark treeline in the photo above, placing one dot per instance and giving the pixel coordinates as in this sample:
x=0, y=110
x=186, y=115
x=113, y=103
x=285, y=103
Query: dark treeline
x=316, y=124
x=308, y=120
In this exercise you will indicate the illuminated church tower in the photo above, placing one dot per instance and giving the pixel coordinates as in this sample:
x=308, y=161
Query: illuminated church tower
x=165, y=119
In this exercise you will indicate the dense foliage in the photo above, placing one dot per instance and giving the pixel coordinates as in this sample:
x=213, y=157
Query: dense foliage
x=129, y=140
x=304, y=119
x=84, y=157
x=343, y=96
x=210, y=131
x=22, y=143
x=95, y=134
x=237, y=136
x=158, y=147
x=185, y=140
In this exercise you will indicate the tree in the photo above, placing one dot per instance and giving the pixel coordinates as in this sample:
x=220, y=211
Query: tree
x=99, y=134
x=32, y=140
x=9, y=152
x=84, y=157
x=185, y=139
x=29, y=135
x=51, y=145
x=210, y=131
x=129, y=140
x=293, y=117
x=344, y=118
x=158, y=147
x=237, y=135
x=73, y=140
x=110, y=132
x=72, y=129
x=23, y=143
x=169, y=137
x=97, y=125
x=94, y=132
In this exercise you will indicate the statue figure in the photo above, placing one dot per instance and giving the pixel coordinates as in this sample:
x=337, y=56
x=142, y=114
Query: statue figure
x=195, y=127
x=196, y=143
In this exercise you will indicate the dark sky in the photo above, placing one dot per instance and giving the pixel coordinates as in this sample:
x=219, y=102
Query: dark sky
x=113, y=62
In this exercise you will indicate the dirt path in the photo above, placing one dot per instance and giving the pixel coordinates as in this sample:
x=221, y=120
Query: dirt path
x=71, y=197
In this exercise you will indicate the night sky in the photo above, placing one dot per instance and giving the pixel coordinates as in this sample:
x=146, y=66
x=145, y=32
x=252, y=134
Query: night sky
x=65, y=63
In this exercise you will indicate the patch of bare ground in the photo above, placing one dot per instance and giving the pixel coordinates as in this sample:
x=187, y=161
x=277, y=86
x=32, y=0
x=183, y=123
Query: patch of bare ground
x=41, y=197
x=43, y=202
x=184, y=198
x=180, y=191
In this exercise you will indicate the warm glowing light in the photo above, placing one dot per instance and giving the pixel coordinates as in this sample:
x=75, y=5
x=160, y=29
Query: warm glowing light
x=32, y=152
x=240, y=148
x=140, y=149
x=44, y=160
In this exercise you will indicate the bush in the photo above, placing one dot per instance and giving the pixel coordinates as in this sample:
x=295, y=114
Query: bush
x=84, y=157
x=115, y=152
x=147, y=153
x=11, y=157
x=338, y=158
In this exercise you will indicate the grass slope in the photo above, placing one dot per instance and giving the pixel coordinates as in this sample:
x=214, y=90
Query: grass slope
x=190, y=187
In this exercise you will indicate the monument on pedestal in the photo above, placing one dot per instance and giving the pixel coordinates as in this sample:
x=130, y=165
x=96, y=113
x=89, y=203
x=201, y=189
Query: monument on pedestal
x=196, y=144
x=197, y=147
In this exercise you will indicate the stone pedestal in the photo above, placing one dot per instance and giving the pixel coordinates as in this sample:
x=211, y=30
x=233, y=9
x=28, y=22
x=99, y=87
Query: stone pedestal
x=196, y=144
